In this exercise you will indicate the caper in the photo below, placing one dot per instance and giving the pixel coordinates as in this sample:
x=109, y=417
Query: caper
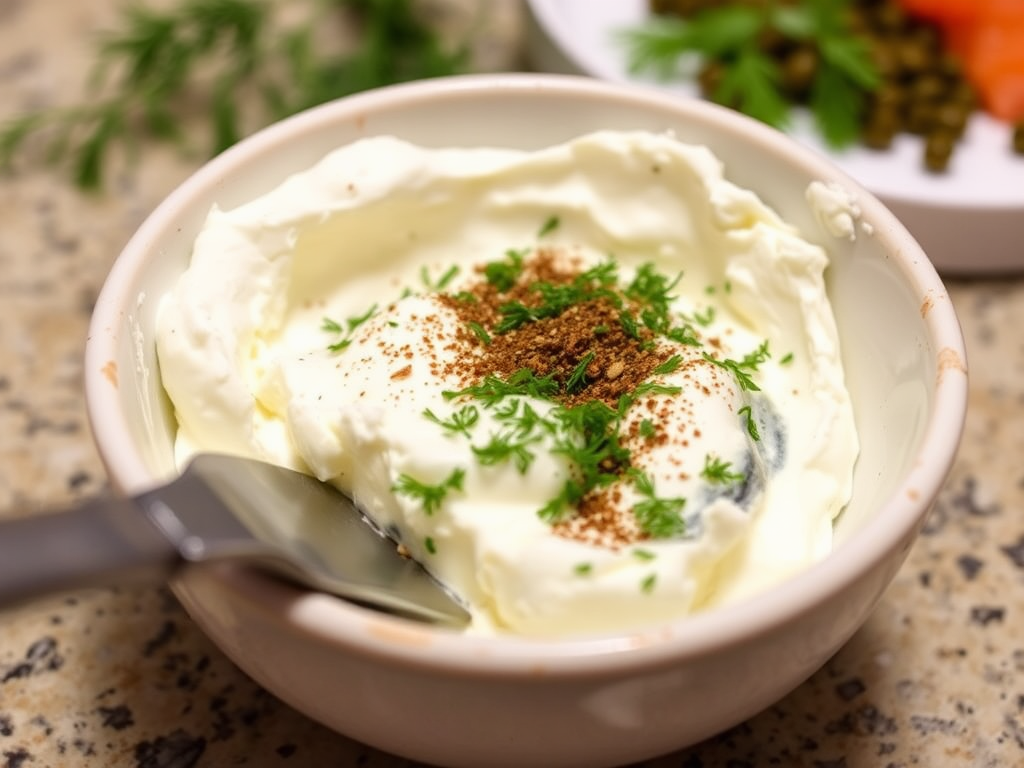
x=889, y=17
x=938, y=149
x=913, y=56
x=927, y=87
x=880, y=128
x=889, y=95
x=951, y=117
x=963, y=93
x=799, y=68
x=920, y=117
x=709, y=78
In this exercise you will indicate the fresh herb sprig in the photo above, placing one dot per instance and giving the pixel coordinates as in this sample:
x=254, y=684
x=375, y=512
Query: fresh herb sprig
x=739, y=71
x=430, y=496
x=166, y=68
x=347, y=330
x=720, y=472
x=659, y=518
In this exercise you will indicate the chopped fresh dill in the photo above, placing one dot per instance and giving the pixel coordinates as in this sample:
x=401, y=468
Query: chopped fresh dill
x=494, y=389
x=429, y=545
x=629, y=325
x=648, y=584
x=578, y=378
x=583, y=569
x=748, y=416
x=705, y=318
x=459, y=422
x=479, y=331
x=430, y=496
x=659, y=518
x=442, y=282
x=786, y=359
x=669, y=366
x=647, y=429
x=601, y=328
x=348, y=329
x=717, y=471
x=549, y=226
x=644, y=555
x=654, y=388
x=504, y=274
x=742, y=369
x=511, y=445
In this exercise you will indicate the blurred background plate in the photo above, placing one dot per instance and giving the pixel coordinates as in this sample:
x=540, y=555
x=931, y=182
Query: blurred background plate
x=970, y=219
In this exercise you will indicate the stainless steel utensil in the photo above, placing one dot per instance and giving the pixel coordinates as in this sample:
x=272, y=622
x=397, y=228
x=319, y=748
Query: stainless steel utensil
x=222, y=508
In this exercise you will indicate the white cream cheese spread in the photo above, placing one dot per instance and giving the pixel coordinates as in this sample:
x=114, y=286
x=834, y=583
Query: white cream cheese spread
x=591, y=388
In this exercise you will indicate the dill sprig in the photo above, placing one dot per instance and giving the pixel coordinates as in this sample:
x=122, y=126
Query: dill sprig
x=460, y=422
x=346, y=331
x=430, y=496
x=163, y=69
x=742, y=369
x=718, y=471
x=659, y=518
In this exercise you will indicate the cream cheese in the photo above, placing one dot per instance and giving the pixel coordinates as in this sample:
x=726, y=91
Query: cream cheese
x=744, y=443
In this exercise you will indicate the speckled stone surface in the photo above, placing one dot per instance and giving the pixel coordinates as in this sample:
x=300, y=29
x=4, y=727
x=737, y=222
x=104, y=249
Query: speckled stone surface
x=122, y=677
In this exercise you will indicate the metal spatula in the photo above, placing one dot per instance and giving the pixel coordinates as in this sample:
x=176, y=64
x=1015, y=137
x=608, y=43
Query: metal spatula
x=222, y=508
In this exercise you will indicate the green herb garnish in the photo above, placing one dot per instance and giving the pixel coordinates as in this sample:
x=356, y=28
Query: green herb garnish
x=493, y=389
x=437, y=286
x=430, y=496
x=459, y=422
x=748, y=417
x=549, y=226
x=659, y=518
x=742, y=369
x=717, y=471
x=348, y=329
x=739, y=73
x=504, y=274
x=479, y=331
x=578, y=378
x=166, y=66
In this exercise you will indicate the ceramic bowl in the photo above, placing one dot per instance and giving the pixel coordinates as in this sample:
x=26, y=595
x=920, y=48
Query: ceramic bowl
x=442, y=697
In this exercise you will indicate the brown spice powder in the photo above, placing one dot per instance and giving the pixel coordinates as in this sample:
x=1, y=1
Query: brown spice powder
x=556, y=346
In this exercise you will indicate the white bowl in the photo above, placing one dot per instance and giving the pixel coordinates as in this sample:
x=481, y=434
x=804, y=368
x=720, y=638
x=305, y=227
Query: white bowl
x=439, y=696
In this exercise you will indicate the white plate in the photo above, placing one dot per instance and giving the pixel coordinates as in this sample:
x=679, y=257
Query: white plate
x=969, y=219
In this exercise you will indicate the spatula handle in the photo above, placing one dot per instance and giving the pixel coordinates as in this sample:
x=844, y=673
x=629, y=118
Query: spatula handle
x=102, y=541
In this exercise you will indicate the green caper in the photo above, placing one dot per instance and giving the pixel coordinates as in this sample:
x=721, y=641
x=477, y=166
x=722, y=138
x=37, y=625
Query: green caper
x=709, y=78
x=888, y=17
x=927, y=88
x=963, y=93
x=951, y=117
x=880, y=128
x=938, y=149
x=920, y=117
x=799, y=68
x=913, y=56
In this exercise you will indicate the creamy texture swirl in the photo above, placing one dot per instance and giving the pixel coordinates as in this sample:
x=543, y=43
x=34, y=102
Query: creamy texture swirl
x=367, y=232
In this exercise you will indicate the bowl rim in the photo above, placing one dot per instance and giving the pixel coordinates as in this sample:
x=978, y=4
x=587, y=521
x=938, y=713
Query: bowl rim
x=333, y=622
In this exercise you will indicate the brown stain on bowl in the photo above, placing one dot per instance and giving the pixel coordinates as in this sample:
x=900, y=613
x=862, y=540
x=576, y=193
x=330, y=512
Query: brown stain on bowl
x=109, y=372
x=926, y=306
x=950, y=360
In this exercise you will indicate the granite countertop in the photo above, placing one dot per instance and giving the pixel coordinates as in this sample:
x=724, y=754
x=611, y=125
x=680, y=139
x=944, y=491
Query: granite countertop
x=122, y=677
